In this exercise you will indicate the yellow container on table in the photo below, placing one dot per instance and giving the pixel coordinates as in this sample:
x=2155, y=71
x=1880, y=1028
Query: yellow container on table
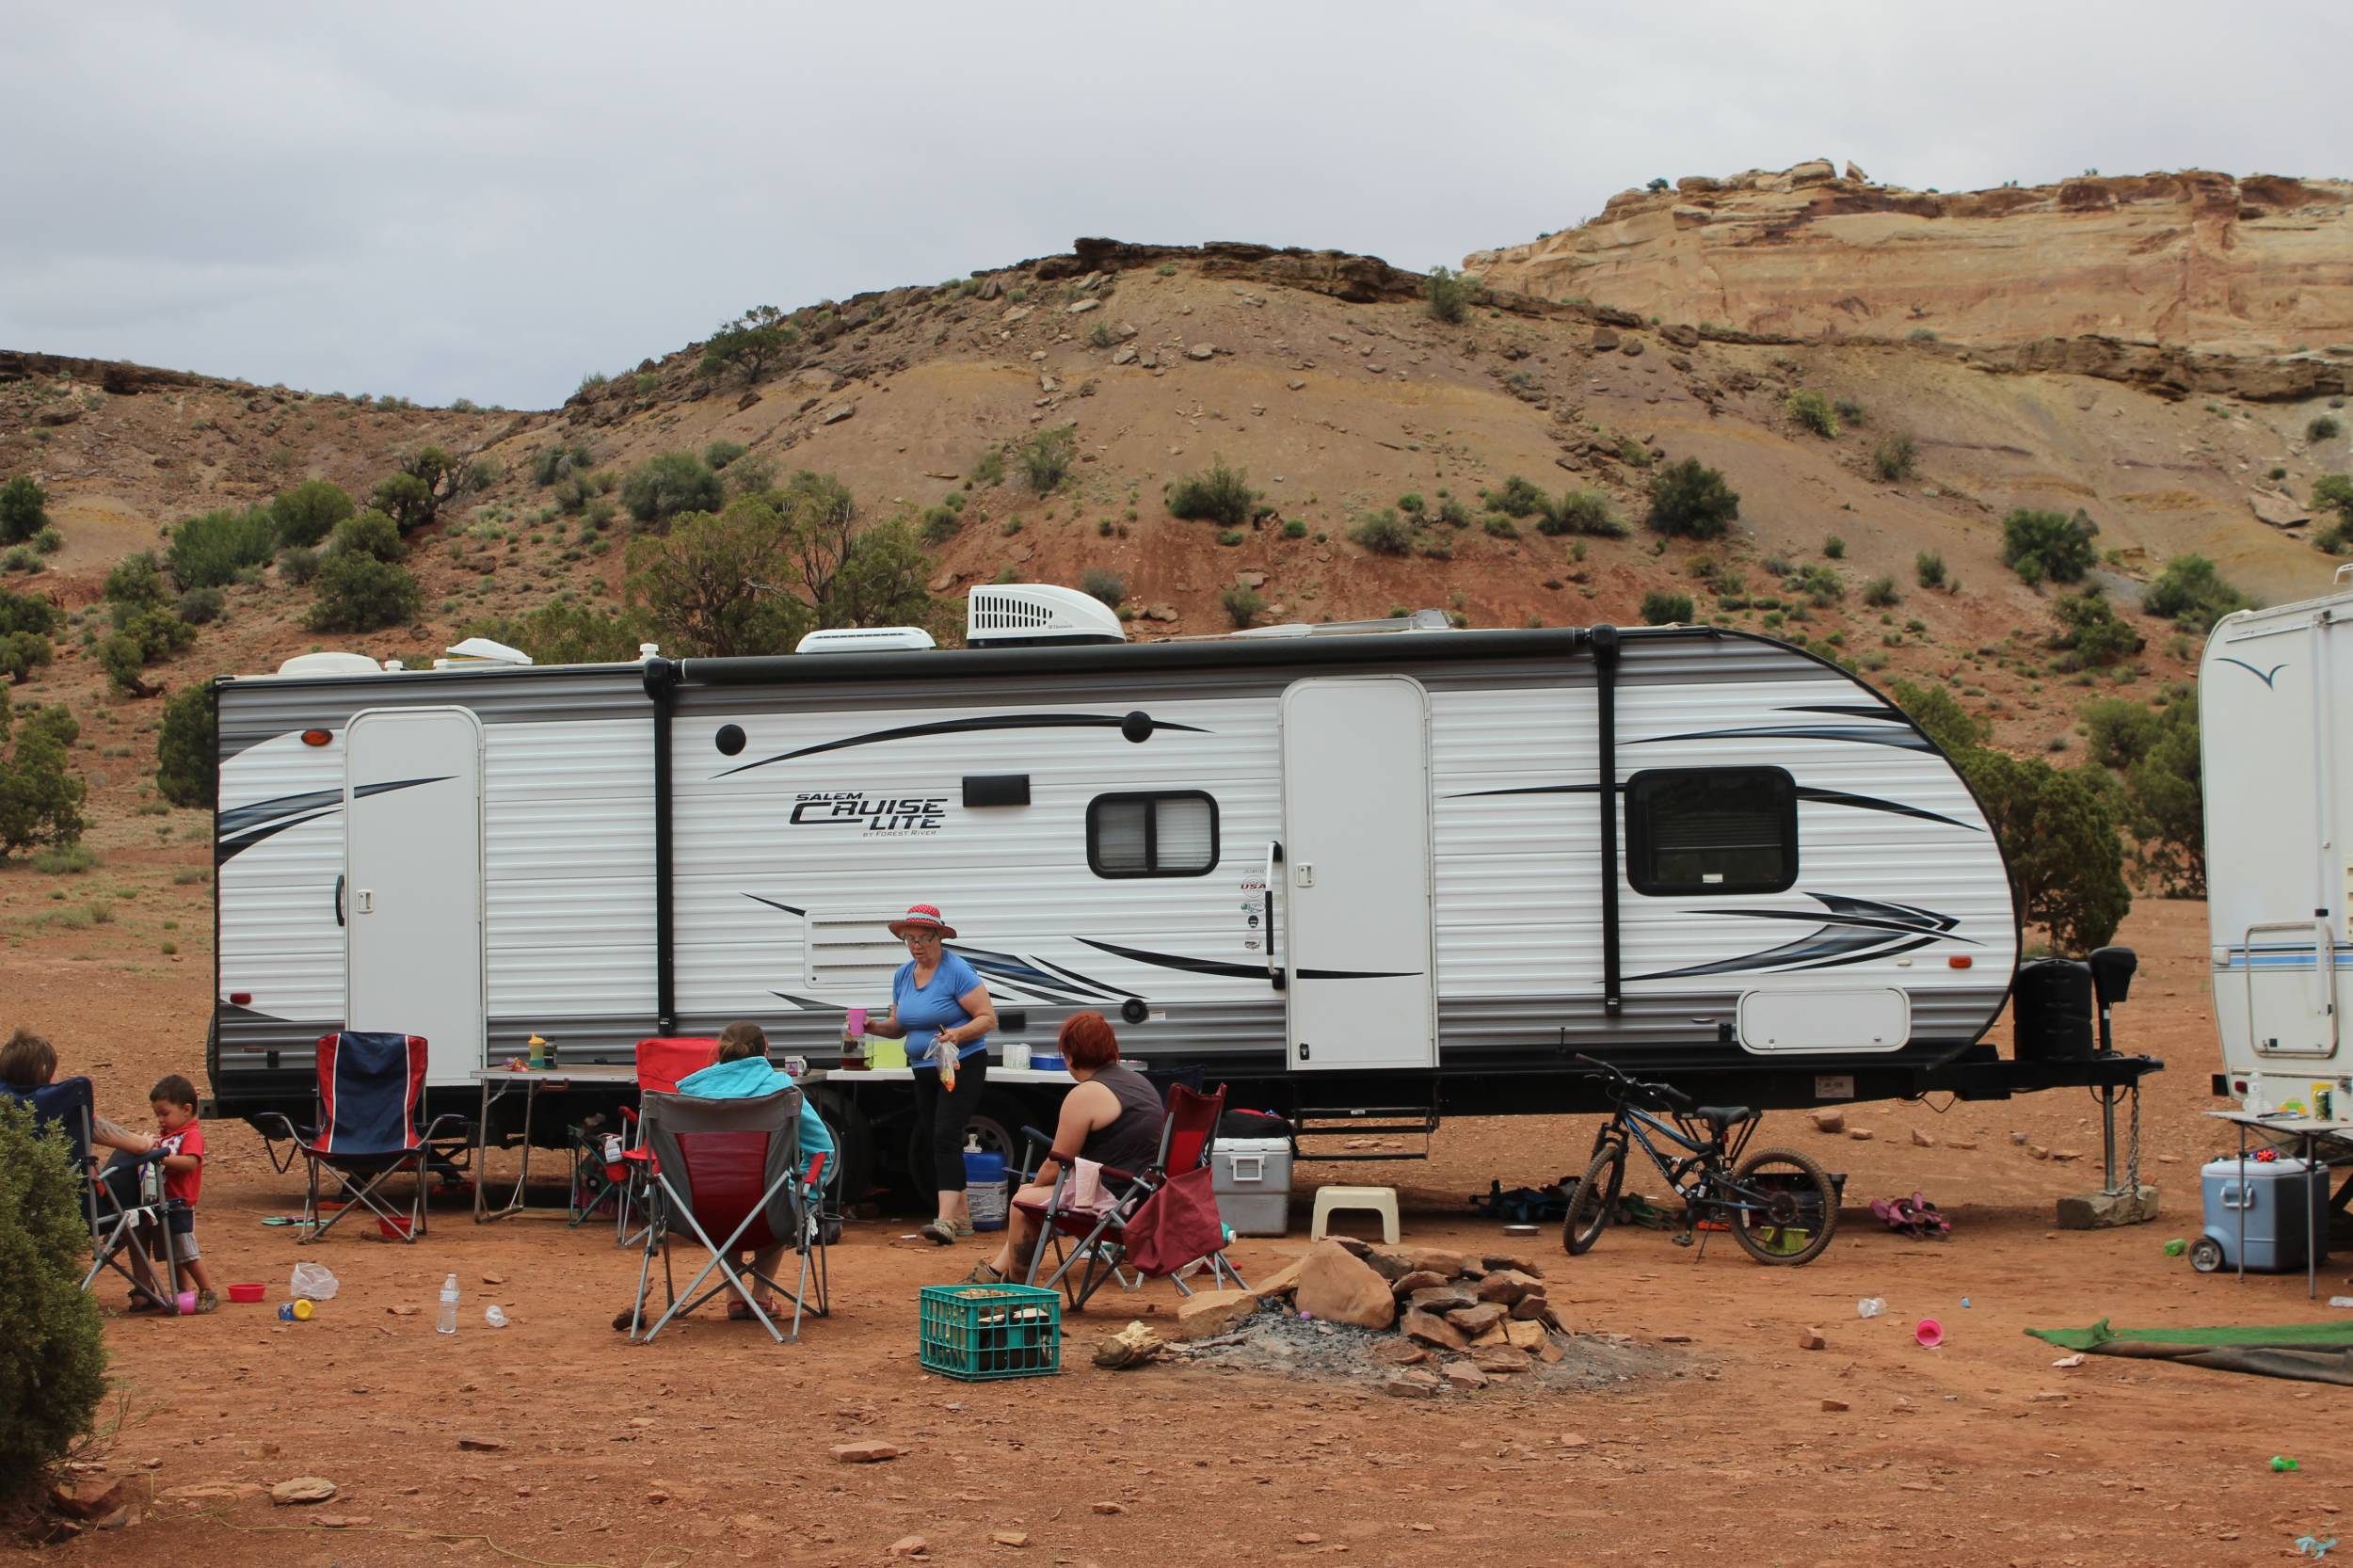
x=885, y=1053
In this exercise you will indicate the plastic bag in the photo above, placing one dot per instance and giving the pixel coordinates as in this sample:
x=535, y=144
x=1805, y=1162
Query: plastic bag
x=1869, y=1306
x=313, y=1281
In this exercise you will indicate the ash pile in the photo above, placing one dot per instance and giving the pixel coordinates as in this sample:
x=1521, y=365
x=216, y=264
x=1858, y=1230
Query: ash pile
x=1417, y=1321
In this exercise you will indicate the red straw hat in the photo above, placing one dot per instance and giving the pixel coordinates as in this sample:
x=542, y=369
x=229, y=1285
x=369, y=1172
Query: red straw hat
x=922, y=916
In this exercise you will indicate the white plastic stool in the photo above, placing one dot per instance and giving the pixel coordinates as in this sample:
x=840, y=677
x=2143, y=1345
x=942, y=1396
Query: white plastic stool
x=1379, y=1200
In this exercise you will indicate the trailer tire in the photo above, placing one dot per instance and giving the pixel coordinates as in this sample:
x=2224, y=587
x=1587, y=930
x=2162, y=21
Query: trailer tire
x=1594, y=1203
x=995, y=1126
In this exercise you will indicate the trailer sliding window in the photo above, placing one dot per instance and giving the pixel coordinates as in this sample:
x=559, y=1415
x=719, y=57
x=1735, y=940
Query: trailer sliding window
x=1712, y=830
x=1171, y=834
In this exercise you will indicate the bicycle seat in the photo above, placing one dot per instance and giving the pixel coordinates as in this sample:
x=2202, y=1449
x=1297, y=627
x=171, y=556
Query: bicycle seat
x=1722, y=1117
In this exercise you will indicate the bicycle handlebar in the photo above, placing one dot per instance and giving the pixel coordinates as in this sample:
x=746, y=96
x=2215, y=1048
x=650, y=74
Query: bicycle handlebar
x=1664, y=1090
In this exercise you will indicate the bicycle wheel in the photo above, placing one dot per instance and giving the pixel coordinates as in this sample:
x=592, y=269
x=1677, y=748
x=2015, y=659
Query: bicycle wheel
x=1783, y=1208
x=1594, y=1203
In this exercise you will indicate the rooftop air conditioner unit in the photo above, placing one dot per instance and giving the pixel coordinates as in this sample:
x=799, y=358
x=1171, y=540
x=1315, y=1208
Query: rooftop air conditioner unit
x=331, y=664
x=865, y=639
x=476, y=651
x=1028, y=614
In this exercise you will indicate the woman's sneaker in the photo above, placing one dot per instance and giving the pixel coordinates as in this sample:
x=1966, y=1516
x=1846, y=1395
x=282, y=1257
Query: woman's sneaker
x=938, y=1233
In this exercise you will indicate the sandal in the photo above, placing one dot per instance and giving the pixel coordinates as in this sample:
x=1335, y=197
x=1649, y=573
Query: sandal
x=739, y=1311
x=985, y=1273
x=142, y=1302
x=207, y=1301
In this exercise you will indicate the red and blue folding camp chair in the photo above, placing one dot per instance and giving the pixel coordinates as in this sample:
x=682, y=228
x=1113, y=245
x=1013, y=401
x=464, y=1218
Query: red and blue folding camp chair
x=729, y=1174
x=125, y=1206
x=1160, y=1219
x=661, y=1064
x=371, y=1096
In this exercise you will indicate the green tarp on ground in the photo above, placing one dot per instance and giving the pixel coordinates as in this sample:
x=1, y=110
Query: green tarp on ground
x=2306, y=1352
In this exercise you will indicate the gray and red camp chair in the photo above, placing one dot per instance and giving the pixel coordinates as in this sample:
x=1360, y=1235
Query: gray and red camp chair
x=123, y=1208
x=371, y=1097
x=1160, y=1218
x=729, y=1174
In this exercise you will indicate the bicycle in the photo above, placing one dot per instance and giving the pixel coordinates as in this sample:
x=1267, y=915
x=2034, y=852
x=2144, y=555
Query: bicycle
x=1778, y=1204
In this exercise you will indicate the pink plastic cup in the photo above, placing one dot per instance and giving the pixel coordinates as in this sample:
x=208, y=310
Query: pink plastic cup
x=857, y=1021
x=1930, y=1333
x=188, y=1301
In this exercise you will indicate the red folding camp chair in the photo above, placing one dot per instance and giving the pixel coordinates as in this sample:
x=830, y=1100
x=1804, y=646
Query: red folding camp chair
x=1160, y=1219
x=661, y=1063
x=371, y=1096
x=729, y=1173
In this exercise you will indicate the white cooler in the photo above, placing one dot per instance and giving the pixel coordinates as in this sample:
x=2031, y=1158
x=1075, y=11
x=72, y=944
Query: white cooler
x=1252, y=1177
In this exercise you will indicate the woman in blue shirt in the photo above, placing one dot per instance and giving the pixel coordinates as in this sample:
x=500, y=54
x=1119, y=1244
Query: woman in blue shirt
x=938, y=1000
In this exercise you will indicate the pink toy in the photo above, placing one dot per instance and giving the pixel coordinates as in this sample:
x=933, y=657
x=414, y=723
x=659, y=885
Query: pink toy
x=1930, y=1333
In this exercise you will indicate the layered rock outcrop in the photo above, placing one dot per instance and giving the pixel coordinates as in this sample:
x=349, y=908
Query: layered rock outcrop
x=2253, y=266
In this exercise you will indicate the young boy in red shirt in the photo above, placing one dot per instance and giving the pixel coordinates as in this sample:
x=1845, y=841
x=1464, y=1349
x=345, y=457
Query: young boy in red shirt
x=181, y=1137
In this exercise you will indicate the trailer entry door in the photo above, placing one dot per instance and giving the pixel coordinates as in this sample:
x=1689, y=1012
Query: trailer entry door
x=1354, y=912
x=412, y=902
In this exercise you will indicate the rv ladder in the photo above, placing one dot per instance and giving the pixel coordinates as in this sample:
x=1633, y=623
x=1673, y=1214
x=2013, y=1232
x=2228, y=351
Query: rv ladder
x=1343, y=1133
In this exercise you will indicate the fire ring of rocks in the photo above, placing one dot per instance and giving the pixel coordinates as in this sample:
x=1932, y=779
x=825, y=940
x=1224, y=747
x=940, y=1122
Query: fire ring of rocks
x=1420, y=1321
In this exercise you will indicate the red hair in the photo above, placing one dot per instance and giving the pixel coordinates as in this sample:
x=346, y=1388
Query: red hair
x=1087, y=1041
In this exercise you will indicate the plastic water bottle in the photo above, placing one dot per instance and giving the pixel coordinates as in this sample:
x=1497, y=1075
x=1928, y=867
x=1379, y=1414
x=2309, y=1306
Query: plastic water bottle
x=446, y=1321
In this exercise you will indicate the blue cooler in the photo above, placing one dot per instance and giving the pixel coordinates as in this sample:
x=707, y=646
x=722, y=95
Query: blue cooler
x=2279, y=1199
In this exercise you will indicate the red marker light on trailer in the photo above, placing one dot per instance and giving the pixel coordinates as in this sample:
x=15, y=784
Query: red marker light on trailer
x=1958, y=961
x=317, y=737
x=240, y=999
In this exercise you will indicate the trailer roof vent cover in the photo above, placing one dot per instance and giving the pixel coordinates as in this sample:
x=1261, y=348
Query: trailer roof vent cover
x=475, y=652
x=865, y=639
x=331, y=664
x=1029, y=615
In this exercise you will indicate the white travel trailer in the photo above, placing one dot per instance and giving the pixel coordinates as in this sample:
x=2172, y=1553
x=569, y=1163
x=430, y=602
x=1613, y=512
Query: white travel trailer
x=2275, y=704
x=1338, y=867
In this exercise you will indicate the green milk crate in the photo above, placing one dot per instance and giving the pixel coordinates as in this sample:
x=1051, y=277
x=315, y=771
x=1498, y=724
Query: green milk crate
x=983, y=1332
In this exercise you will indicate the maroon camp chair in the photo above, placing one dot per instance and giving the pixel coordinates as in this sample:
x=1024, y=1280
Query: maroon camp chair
x=1163, y=1217
x=729, y=1175
x=661, y=1063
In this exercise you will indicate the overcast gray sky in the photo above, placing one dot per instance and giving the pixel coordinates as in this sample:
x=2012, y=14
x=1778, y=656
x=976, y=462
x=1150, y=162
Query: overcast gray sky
x=489, y=200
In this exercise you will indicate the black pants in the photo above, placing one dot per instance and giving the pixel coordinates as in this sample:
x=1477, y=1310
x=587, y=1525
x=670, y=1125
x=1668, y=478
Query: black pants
x=939, y=1120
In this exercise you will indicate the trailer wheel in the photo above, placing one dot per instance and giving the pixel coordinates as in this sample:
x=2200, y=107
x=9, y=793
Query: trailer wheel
x=995, y=1126
x=2205, y=1254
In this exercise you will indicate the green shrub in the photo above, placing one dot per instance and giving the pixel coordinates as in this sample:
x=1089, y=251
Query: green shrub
x=1447, y=295
x=199, y=606
x=69, y=860
x=1412, y=505
x=2045, y=545
x=208, y=550
x=22, y=653
x=2090, y=632
x=1453, y=513
x=2333, y=492
x=53, y=1349
x=1821, y=584
x=1229, y=536
x=360, y=593
x=1243, y=606
x=23, y=509
x=1834, y=547
x=1517, y=497
x=25, y=612
x=748, y=344
x=308, y=513
x=2155, y=752
x=1849, y=411
x=2190, y=593
x=1109, y=586
x=2324, y=428
x=990, y=469
x=48, y=541
x=1895, y=458
x=551, y=464
x=940, y=524
x=1384, y=532
x=663, y=486
x=1882, y=593
x=1220, y=494
x=1690, y=499
x=1584, y=512
x=720, y=454
x=1046, y=457
x=569, y=632
x=297, y=564
x=1927, y=569
x=187, y=769
x=1293, y=528
x=1661, y=608
x=41, y=795
x=370, y=534
x=1813, y=410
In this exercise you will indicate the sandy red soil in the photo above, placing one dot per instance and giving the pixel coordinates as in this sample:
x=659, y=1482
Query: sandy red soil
x=714, y=1444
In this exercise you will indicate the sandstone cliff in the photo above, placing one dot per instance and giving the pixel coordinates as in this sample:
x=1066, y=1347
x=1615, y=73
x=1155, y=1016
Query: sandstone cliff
x=2240, y=267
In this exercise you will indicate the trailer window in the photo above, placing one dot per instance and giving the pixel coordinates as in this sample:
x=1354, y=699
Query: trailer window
x=1152, y=835
x=1712, y=830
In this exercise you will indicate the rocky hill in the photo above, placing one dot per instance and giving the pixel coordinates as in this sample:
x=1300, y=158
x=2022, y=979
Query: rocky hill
x=2241, y=269
x=1329, y=380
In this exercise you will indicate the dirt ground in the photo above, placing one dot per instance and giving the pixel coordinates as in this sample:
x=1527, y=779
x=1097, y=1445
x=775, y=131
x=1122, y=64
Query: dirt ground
x=714, y=1445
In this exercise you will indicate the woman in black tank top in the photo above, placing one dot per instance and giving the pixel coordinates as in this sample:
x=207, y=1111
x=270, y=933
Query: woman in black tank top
x=1113, y=1117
